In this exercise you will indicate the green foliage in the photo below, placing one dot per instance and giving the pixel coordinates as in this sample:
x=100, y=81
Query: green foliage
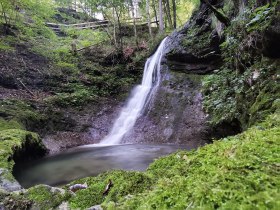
x=231, y=96
x=19, y=114
x=4, y=46
x=124, y=184
x=9, y=124
x=43, y=9
x=260, y=18
x=8, y=13
x=66, y=67
x=86, y=37
x=219, y=96
x=246, y=86
x=185, y=10
x=47, y=197
x=77, y=98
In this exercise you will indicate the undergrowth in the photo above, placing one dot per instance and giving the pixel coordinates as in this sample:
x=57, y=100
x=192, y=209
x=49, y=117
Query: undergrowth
x=246, y=87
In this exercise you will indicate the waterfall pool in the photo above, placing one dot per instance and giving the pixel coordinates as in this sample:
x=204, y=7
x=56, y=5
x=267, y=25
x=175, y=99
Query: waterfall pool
x=89, y=161
x=92, y=160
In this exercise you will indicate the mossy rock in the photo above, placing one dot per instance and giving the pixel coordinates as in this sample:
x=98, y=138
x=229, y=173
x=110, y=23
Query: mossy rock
x=7, y=182
x=14, y=201
x=266, y=102
x=124, y=184
x=46, y=197
x=16, y=144
x=239, y=172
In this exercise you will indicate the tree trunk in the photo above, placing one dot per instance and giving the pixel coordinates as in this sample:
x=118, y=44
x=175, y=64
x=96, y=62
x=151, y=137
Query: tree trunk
x=115, y=29
x=149, y=17
x=134, y=23
x=155, y=12
x=120, y=38
x=174, y=14
x=161, y=23
x=168, y=12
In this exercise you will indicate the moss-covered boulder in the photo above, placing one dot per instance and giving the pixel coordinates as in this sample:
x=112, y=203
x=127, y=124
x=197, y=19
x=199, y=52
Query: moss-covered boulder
x=14, y=201
x=124, y=184
x=45, y=197
x=16, y=144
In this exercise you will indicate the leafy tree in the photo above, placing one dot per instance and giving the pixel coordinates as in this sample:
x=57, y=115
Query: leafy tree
x=8, y=9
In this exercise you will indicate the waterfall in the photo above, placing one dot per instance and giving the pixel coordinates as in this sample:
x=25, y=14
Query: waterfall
x=139, y=97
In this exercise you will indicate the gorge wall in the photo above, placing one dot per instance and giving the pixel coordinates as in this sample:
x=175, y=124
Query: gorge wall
x=175, y=114
x=228, y=71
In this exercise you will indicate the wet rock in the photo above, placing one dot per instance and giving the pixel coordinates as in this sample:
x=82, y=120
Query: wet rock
x=96, y=207
x=93, y=123
x=64, y=206
x=174, y=115
x=15, y=200
x=272, y=37
x=7, y=181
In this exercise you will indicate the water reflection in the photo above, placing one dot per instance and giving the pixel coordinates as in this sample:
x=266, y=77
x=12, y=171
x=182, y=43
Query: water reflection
x=88, y=161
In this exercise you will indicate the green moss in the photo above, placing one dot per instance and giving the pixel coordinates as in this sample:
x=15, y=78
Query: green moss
x=196, y=40
x=263, y=104
x=9, y=124
x=46, y=197
x=246, y=85
x=260, y=18
x=66, y=67
x=15, y=201
x=7, y=43
x=19, y=114
x=12, y=140
x=239, y=172
x=234, y=173
x=124, y=183
x=77, y=98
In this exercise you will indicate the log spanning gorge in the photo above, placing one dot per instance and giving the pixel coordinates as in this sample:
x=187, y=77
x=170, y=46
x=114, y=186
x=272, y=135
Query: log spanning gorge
x=110, y=153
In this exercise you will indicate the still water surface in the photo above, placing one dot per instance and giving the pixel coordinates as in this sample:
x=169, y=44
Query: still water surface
x=88, y=161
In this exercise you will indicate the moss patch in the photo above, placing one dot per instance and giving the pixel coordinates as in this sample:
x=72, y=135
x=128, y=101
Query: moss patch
x=234, y=173
x=15, y=201
x=9, y=124
x=46, y=197
x=13, y=140
x=19, y=114
x=124, y=183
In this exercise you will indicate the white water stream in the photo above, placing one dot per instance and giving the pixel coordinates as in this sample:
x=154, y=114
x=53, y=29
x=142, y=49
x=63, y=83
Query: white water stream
x=139, y=97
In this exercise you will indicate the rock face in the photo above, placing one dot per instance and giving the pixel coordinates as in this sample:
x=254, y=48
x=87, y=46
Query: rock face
x=92, y=124
x=271, y=38
x=195, y=48
x=7, y=182
x=175, y=114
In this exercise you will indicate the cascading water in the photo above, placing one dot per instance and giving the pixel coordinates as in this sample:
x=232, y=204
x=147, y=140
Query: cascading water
x=138, y=99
